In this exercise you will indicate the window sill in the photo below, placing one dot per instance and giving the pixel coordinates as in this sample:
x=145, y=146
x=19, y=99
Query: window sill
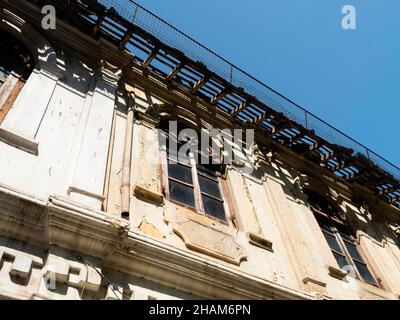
x=18, y=141
x=341, y=275
x=205, y=235
x=376, y=291
x=196, y=215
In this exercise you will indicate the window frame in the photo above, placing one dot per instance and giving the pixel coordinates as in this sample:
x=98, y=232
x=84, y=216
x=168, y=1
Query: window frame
x=332, y=229
x=18, y=74
x=198, y=194
x=9, y=91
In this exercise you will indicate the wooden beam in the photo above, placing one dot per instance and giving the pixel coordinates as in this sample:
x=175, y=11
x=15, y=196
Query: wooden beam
x=360, y=175
x=313, y=147
x=349, y=175
x=341, y=166
x=260, y=118
x=298, y=137
x=175, y=71
x=316, y=141
x=150, y=58
x=220, y=96
x=98, y=24
x=125, y=39
x=374, y=182
x=389, y=190
x=394, y=199
x=284, y=126
x=243, y=106
x=200, y=83
x=326, y=157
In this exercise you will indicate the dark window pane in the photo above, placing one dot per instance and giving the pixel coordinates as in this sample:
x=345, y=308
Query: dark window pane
x=210, y=170
x=332, y=242
x=354, y=253
x=214, y=208
x=210, y=187
x=344, y=233
x=4, y=72
x=342, y=261
x=180, y=172
x=14, y=56
x=3, y=75
x=181, y=193
x=364, y=272
x=323, y=222
x=320, y=203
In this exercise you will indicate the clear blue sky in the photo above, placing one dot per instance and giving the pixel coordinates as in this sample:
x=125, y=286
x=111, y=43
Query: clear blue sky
x=350, y=78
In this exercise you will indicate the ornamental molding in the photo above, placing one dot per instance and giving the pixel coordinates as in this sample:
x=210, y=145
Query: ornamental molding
x=109, y=243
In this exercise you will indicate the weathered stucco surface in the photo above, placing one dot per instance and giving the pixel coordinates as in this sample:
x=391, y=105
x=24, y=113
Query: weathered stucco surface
x=63, y=236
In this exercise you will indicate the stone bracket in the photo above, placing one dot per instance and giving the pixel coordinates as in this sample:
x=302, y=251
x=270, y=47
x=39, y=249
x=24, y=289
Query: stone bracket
x=337, y=273
x=315, y=287
x=68, y=270
x=259, y=241
x=148, y=195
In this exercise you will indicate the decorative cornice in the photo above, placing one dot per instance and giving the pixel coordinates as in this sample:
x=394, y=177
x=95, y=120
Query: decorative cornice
x=61, y=223
x=109, y=73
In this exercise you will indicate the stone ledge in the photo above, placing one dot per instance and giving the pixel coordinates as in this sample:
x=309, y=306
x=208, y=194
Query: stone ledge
x=18, y=141
x=315, y=287
x=149, y=196
x=27, y=224
x=337, y=273
x=259, y=241
x=141, y=256
x=371, y=292
x=98, y=235
x=193, y=273
x=80, y=229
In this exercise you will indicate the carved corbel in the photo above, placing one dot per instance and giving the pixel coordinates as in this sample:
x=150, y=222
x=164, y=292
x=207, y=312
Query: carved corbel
x=270, y=157
x=299, y=183
x=108, y=72
x=397, y=230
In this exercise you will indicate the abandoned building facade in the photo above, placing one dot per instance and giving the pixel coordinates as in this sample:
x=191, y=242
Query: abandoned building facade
x=93, y=205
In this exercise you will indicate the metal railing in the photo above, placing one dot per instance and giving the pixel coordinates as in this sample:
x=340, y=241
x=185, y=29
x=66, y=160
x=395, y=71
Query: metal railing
x=175, y=38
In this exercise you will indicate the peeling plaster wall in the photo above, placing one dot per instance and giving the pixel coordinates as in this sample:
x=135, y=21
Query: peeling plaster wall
x=265, y=206
x=60, y=209
x=42, y=175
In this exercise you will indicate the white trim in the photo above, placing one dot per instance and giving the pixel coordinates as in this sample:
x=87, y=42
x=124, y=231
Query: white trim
x=19, y=141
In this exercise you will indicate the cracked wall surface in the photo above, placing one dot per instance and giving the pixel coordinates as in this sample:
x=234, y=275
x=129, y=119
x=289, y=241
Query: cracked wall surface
x=63, y=235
